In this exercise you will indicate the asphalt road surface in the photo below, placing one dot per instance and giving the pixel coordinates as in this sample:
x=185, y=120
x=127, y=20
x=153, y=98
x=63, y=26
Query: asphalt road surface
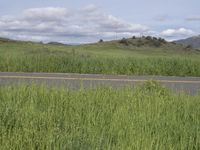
x=190, y=85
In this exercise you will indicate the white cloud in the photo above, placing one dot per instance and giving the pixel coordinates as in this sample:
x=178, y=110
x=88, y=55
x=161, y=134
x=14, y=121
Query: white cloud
x=46, y=14
x=55, y=23
x=111, y=23
x=181, y=32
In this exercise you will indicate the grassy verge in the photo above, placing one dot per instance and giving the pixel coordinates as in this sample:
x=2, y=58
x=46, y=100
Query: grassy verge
x=80, y=63
x=147, y=117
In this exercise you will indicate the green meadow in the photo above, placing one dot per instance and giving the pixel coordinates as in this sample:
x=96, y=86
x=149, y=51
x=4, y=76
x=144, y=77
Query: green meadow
x=146, y=117
x=135, y=57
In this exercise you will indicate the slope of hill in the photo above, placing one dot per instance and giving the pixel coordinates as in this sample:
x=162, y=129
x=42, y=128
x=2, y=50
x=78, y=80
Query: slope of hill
x=148, y=45
x=5, y=40
x=193, y=41
x=55, y=43
x=133, y=56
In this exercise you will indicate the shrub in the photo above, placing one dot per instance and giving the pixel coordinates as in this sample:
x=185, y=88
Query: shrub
x=155, y=38
x=148, y=38
x=124, y=41
x=188, y=47
x=161, y=40
x=101, y=41
x=133, y=37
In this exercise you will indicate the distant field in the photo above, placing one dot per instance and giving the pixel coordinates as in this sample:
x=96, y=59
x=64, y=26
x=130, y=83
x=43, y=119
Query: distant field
x=101, y=58
x=148, y=117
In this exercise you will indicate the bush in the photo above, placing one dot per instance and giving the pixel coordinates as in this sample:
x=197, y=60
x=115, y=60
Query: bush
x=133, y=37
x=155, y=38
x=101, y=41
x=153, y=41
x=162, y=40
x=124, y=41
x=148, y=38
x=188, y=47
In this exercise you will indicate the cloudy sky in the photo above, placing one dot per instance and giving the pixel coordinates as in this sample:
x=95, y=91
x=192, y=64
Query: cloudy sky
x=90, y=20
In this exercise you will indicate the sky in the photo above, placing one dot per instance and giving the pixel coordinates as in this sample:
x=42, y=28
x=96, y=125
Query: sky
x=90, y=20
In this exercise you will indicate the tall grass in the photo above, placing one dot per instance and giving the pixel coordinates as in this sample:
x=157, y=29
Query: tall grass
x=104, y=58
x=79, y=63
x=147, y=117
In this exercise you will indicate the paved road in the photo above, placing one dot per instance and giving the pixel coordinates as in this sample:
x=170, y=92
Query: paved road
x=190, y=85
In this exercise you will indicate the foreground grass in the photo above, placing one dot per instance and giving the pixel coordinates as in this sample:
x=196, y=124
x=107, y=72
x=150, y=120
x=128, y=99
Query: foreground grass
x=148, y=117
x=98, y=59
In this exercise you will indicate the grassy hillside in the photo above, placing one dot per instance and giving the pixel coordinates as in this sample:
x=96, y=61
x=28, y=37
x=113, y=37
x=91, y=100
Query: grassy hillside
x=141, y=56
x=148, y=117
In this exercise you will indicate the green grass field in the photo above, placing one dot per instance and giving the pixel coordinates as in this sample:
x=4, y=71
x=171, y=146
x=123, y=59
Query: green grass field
x=100, y=58
x=147, y=117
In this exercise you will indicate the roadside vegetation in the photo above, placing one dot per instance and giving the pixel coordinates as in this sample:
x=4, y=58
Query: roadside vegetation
x=135, y=56
x=146, y=117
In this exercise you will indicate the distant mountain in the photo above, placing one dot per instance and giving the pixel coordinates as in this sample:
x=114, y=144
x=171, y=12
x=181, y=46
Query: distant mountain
x=193, y=41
